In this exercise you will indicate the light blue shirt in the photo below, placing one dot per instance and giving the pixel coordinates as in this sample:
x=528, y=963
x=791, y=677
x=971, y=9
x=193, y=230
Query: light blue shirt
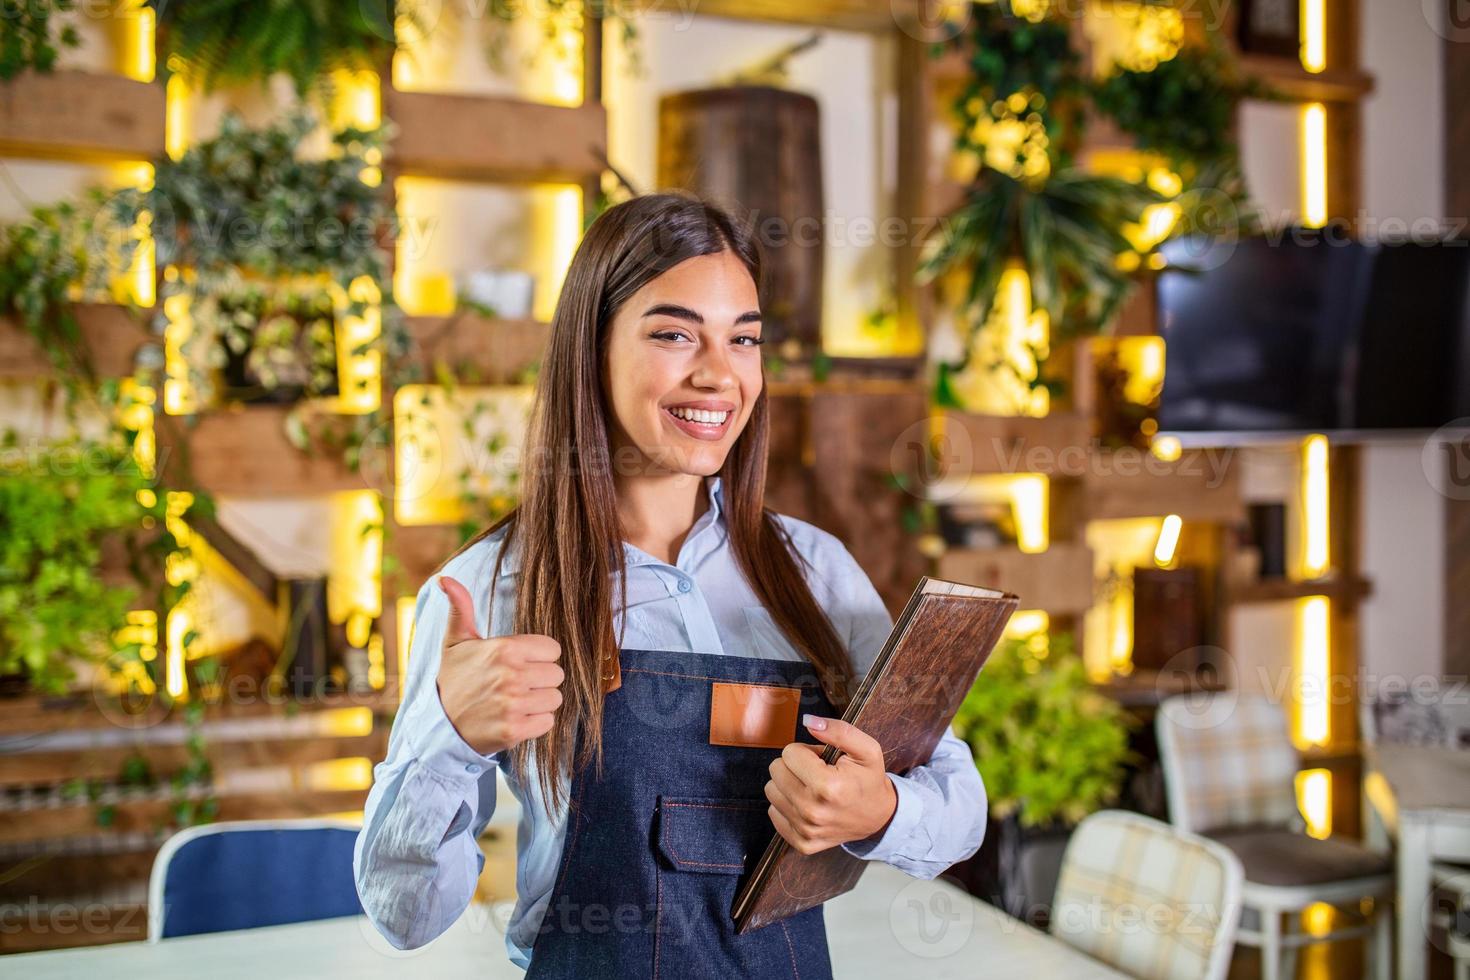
x=417, y=860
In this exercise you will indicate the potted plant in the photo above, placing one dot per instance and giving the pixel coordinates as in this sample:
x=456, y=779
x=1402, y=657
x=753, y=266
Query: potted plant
x=64, y=505
x=264, y=247
x=1051, y=749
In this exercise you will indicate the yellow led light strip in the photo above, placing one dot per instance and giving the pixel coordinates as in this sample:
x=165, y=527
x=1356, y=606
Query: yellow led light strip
x=1314, y=798
x=1316, y=507
x=1314, y=35
x=1314, y=165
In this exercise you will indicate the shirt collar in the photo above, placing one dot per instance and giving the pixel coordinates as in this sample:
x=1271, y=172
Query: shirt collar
x=632, y=557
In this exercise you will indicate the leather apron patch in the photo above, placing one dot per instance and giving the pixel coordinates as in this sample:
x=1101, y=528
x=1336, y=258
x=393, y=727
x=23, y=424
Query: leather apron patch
x=753, y=715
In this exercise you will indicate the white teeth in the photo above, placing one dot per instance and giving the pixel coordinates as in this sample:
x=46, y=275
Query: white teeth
x=700, y=415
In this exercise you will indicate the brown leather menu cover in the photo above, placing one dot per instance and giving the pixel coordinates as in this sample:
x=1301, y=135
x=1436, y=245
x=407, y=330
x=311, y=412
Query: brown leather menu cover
x=907, y=701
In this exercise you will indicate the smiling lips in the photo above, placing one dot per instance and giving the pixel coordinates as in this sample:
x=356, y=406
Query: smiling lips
x=702, y=421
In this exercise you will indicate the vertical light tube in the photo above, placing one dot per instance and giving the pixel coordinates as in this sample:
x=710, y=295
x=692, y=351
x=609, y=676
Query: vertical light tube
x=1314, y=799
x=1314, y=661
x=1314, y=35
x=1314, y=165
x=1316, y=507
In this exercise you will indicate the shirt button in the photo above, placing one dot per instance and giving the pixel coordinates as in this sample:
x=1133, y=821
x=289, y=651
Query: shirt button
x=684, y=585
x=472, y=768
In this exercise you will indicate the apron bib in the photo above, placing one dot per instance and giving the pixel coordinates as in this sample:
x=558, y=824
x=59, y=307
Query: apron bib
x=656, y=847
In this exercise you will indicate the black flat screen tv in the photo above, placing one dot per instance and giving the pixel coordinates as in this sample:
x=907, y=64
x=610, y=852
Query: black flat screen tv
x=1302, y=332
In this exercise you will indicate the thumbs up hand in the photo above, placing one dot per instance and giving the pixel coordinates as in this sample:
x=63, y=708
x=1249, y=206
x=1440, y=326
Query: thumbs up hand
x=498, y=692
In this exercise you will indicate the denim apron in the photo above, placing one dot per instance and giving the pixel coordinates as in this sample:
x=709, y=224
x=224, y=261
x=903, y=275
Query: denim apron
x=656, y=847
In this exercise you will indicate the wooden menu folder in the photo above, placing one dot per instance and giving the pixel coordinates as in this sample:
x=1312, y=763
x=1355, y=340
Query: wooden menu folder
x=907, y=701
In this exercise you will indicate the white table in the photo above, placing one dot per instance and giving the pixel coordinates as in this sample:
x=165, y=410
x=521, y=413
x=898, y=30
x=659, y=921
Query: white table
x=1422, y=797
x=890, y=926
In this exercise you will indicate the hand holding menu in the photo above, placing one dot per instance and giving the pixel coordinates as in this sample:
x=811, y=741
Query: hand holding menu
x=907, y=701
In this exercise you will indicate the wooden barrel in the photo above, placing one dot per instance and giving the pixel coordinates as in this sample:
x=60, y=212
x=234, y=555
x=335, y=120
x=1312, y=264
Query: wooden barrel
x=756, y=151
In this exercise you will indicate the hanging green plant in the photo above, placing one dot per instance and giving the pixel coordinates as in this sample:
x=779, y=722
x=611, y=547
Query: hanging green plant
x=1068, y=230
x=1082, y=240
x=1020, y=107
x=30, y=40
x=222, y=43
x=265, y=242
x=562, y=23
x=1183, y=108
x=59, y=254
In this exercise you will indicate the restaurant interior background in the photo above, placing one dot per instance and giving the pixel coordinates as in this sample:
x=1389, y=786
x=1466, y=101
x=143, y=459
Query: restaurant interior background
x=259, y=379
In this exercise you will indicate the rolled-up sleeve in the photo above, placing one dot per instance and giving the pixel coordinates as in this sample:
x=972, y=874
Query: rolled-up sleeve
x=416, y=860
x=941, y=813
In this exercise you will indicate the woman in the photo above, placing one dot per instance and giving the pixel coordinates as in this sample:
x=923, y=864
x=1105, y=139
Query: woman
x=588, y=647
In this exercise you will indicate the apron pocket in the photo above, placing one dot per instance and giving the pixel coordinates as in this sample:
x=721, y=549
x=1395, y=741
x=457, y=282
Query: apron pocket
x=713, y=835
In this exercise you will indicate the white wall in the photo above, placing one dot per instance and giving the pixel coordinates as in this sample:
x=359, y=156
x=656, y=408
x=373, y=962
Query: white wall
x=1401, y=629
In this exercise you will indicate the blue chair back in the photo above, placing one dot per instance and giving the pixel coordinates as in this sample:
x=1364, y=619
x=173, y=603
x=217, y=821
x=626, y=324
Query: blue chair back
x=246, y=874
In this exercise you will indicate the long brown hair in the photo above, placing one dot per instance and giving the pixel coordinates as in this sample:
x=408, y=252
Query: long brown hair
x=566, y=525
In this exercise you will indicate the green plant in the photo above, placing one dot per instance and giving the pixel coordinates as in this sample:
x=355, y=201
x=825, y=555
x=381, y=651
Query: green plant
x=61, y=253
x=1184, y=108
x=265, y=240
x=1068, y=230
x=562, y=23
x=29, y=40
x=1051, y=747
x=1021, y=104
x=1083, y=239
x=220, y=43
x=61, y=504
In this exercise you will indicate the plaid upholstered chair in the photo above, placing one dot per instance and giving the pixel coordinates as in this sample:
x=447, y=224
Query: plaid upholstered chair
x=1230, y=770
x=1148, y=899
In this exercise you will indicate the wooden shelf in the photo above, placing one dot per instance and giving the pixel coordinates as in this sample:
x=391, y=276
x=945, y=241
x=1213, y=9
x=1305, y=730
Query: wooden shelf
x=32, y=768
x=1288, y=77
x=1200, y=486
x=1058, y=580
x=82, y=116
x=478, y=349
x=1017, y=444
x=485, y=138
x=17, y=826
x=37, y=714
x=1148, y=688
x=243, y=451
x=112, y=334
x=1284, y=590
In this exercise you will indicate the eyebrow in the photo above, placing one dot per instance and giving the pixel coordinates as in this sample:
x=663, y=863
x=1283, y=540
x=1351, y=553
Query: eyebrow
x=685, y=313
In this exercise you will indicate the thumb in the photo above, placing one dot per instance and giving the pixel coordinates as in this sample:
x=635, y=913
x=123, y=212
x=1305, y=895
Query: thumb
x=461, y=612
x=853, y=741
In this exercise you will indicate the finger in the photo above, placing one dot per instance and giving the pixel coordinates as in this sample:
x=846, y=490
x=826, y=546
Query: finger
x=787, y=782
x=780, y=800
x=852, y=740
x=535, y=647
x=540, y=701
x=805, y=763
x=461, y=613
x=533, y=726
x=784, y=828
x=538, y=674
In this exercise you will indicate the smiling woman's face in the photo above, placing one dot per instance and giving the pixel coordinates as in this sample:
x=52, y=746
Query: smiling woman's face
x=683, y=367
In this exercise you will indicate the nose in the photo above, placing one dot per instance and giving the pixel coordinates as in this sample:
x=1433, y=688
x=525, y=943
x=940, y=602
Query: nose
x=712, y=370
